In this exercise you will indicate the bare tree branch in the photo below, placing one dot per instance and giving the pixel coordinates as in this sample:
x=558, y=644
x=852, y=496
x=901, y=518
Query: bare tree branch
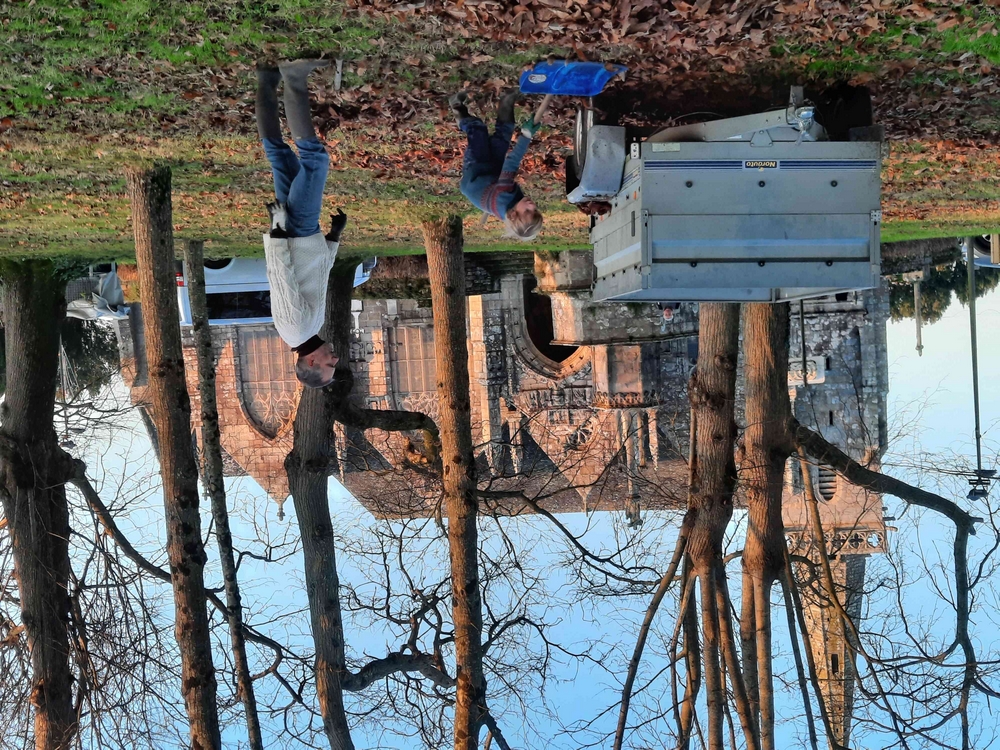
x=800, y=673
x=82, y=483
x=654, y=605
x=816, y=446
x=393, y=663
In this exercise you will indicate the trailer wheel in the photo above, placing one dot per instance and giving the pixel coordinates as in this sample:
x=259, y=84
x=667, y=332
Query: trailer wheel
x=572, y=174
x=581, y=134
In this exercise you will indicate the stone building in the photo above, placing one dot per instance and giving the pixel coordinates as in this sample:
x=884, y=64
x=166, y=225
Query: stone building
x=579, y=405
x=843, y=397
x=257, y=395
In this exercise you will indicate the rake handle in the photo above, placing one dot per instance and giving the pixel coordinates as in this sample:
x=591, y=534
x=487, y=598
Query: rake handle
x=546, y=101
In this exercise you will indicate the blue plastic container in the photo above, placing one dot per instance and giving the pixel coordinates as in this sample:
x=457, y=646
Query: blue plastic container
x=569, y=78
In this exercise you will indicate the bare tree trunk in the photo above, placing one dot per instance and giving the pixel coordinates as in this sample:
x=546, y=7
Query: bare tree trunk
x=689, y=619
x=713, y=482
x=692, y=659
x=767, y=446
x=212, y=461
x=149, y=194
x=762, y=607
x=33, y=472
x=715, y=696
x=767, y=443
x=746, y=715
x=713, y=394
x=748, y=641
x=654, y=605
x=443, y=239
x=308, y=467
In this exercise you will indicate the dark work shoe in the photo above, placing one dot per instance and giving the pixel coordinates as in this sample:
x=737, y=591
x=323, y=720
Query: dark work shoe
x=266, y=109
x=295, y=74
x=458, y=103
x=505, y=113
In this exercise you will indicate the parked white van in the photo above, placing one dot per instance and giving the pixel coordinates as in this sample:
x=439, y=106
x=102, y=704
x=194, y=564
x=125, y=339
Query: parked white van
x=238, y=291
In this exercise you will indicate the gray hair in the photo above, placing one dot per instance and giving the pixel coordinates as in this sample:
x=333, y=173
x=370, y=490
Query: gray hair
x=524, y=229
x=311, y=377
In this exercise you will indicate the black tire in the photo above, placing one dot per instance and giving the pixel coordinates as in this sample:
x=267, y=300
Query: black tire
x=982, y=243
x=581, y=137
x=842, y=107
x=217, y=263
x=572, y=174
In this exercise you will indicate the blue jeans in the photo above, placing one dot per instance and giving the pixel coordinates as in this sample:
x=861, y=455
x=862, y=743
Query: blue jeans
x=299, y=182
x=484, y=148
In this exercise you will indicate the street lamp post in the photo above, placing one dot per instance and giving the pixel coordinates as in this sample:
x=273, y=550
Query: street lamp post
x=980, y=483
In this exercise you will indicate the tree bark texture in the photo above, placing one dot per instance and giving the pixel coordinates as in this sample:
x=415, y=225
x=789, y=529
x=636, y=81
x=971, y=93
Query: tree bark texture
x=766, y=448
x=748, y=643
x=308, y=467
x=730, y=658
x=767, y=443
x=715, y=694
x=33, y=472
x=692, y=660
x=713, y=481
x=211, y=445
x=446, y=266
x=149, y=195
x=713, y=395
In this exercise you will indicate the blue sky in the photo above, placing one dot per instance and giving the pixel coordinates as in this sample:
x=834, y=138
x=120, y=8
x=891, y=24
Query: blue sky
x=577, y=691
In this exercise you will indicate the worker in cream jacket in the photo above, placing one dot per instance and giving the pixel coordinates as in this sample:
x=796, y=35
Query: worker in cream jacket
x=299, y=256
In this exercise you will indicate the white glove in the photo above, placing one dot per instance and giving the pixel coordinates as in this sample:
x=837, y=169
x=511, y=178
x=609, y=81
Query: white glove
x=279, y=216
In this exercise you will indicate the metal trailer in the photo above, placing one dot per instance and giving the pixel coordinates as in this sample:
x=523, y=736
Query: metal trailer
x=759, y=208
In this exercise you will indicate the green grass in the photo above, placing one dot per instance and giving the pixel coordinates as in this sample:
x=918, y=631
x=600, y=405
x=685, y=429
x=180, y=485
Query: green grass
x=101, y=64
x=962, y=39
x=56, y=51
x=108, y=81
x=934, y=228
x=69, y=199
x=901, y=41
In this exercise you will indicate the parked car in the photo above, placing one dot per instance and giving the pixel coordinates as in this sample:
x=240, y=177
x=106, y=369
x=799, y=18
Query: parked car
x=238, y=291
x=983, y=250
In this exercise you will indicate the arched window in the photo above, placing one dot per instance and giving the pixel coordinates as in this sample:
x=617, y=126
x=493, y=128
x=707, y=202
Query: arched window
x=826, y=481
x=413, y=371
x=412, y=356
x=269, y=388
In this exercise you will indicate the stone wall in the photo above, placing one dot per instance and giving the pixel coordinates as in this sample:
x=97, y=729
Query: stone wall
x=566, y=277
x=845, y=401
x=262, y=457
x=605, y=404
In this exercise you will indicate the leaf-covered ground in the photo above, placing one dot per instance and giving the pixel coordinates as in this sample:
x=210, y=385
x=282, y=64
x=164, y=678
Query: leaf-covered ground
x=88, y=85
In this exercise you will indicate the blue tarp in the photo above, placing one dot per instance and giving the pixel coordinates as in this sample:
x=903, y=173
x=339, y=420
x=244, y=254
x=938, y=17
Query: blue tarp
x=569, y=78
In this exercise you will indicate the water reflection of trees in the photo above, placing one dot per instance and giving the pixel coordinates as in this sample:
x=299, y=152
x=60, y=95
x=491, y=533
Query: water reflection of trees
x=941, y=286
x=542, y=562
x=92, y=351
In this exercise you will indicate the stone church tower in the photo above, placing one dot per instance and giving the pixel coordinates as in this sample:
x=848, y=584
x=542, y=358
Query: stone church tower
x=843, y=397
